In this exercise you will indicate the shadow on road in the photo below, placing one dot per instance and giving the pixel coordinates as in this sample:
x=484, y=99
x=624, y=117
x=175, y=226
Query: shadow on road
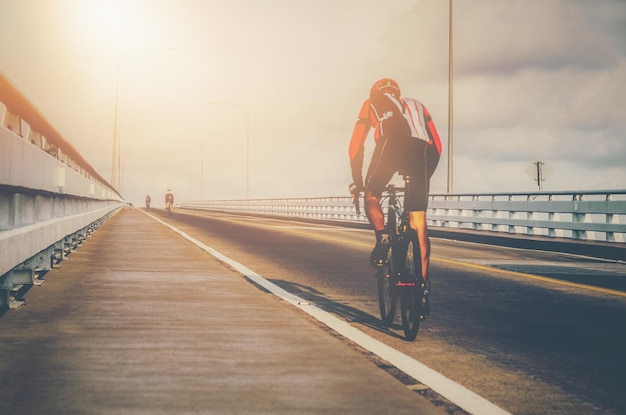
x=343, y=311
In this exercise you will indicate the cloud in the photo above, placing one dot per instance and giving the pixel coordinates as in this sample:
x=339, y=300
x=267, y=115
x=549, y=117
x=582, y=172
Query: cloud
x=507, y=37
x=544, y=84
x=531, y=82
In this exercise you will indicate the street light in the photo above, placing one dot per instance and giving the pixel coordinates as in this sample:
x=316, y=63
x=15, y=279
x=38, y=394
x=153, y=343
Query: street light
x=119, y=144
x=115, y=160
x=247, y=139
x=450, y=102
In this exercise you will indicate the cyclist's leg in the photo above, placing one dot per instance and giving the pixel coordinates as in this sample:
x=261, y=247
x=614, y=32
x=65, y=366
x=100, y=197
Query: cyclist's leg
x=385, y=162
x=418, y=224
x=382, y=167
x=374, y=211
x=416, y=201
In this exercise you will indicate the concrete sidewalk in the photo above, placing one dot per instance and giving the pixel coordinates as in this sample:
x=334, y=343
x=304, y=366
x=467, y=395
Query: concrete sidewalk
x=140, y=321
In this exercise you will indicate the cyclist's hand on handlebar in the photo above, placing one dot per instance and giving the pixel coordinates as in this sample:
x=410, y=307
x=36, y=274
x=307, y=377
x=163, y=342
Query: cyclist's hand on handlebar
x=355, y=191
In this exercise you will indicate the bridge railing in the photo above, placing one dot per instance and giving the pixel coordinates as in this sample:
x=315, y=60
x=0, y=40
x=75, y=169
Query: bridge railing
x=586, y=216
x=51, y=199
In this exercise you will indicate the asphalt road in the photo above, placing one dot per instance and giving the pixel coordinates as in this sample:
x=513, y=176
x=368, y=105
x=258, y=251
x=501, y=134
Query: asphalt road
x=521, y=328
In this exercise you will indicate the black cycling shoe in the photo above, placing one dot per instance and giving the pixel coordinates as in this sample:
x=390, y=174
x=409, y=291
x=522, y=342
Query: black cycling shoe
x=378, y=257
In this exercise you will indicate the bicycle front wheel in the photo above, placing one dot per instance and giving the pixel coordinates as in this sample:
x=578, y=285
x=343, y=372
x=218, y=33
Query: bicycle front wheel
x=386, y=276
x=387, y=294
x=411, y=295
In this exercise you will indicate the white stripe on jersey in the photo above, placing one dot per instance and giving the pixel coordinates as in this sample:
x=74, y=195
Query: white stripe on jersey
x=415, y=116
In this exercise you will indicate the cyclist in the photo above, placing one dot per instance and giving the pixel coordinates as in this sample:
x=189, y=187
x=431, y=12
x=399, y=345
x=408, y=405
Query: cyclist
x=407, y=142
x=169, y=200
x=148, y=200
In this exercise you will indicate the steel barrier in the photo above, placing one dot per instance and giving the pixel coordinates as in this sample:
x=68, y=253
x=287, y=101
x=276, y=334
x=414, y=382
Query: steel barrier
x=51, y=199
x=585, y=216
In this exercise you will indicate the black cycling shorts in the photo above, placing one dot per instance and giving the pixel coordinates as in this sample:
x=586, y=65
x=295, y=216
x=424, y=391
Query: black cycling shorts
x=407, y=156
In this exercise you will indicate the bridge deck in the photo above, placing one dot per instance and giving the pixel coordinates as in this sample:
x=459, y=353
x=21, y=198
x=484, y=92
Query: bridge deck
x=138, y=320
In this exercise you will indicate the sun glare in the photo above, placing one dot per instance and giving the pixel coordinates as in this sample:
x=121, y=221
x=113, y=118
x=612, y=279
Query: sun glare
x=113, y=22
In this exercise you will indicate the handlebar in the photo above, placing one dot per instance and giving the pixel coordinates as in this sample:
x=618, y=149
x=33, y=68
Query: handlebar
x=392, y=189
x=355, y=192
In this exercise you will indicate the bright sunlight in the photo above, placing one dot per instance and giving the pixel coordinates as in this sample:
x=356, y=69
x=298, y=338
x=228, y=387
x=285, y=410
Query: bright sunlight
x=116, y=24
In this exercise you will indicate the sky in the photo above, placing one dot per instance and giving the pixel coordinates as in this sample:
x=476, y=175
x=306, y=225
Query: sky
x=258, y=98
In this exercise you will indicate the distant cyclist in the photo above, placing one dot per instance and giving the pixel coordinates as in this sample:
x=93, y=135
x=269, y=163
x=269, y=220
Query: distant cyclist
x=148, y=200
x=169, y=200
x=407, y=142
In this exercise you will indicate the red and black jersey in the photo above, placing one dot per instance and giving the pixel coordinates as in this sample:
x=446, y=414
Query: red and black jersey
x=392, y=118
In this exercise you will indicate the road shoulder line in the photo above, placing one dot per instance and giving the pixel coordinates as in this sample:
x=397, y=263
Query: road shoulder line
x=454, y=392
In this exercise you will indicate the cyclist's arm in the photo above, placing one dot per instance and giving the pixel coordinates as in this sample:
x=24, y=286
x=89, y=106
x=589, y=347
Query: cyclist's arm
x=356, y=149
x=433, y=153
x=432, y=130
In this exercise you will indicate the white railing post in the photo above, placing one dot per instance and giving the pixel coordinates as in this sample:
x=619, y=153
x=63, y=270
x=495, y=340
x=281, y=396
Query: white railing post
x=539, y=214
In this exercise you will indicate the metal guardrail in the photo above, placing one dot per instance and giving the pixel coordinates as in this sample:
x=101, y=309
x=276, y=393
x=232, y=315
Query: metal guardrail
x=51, y=199
x=321, y=208
x=584, y=216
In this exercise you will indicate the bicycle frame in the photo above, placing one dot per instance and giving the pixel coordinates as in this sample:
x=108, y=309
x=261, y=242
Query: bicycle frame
x=398, y=225
x=394, y=205
x=399, y=278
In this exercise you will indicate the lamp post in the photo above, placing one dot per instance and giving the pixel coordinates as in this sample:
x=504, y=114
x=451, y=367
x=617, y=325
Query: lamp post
x=247, y=139
x=115, y=160
x=121, y=161
x=126, y=167
x=450, y=101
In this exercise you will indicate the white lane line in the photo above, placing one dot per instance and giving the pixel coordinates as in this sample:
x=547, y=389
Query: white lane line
x=457, y=394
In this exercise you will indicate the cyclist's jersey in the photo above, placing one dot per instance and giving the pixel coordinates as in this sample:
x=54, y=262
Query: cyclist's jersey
x=169, y=198
x=392, y=119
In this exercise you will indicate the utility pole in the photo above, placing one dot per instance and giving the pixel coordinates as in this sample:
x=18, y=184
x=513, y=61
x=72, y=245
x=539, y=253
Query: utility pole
x=539, y=178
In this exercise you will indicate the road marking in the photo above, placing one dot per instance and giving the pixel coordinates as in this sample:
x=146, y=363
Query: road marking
x=474, y=265
x=482, y=267
x=454, y=392
x=531, y=276
x=301, y=231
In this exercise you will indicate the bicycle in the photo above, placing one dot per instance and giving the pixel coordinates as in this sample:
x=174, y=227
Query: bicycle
x=401, y=276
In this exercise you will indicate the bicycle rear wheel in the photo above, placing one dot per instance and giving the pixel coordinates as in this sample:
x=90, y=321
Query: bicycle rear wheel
x=411, y=295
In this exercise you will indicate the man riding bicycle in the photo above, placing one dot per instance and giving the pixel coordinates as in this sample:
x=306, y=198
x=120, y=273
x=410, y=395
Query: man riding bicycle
x=169, y=200
x=406, y=142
